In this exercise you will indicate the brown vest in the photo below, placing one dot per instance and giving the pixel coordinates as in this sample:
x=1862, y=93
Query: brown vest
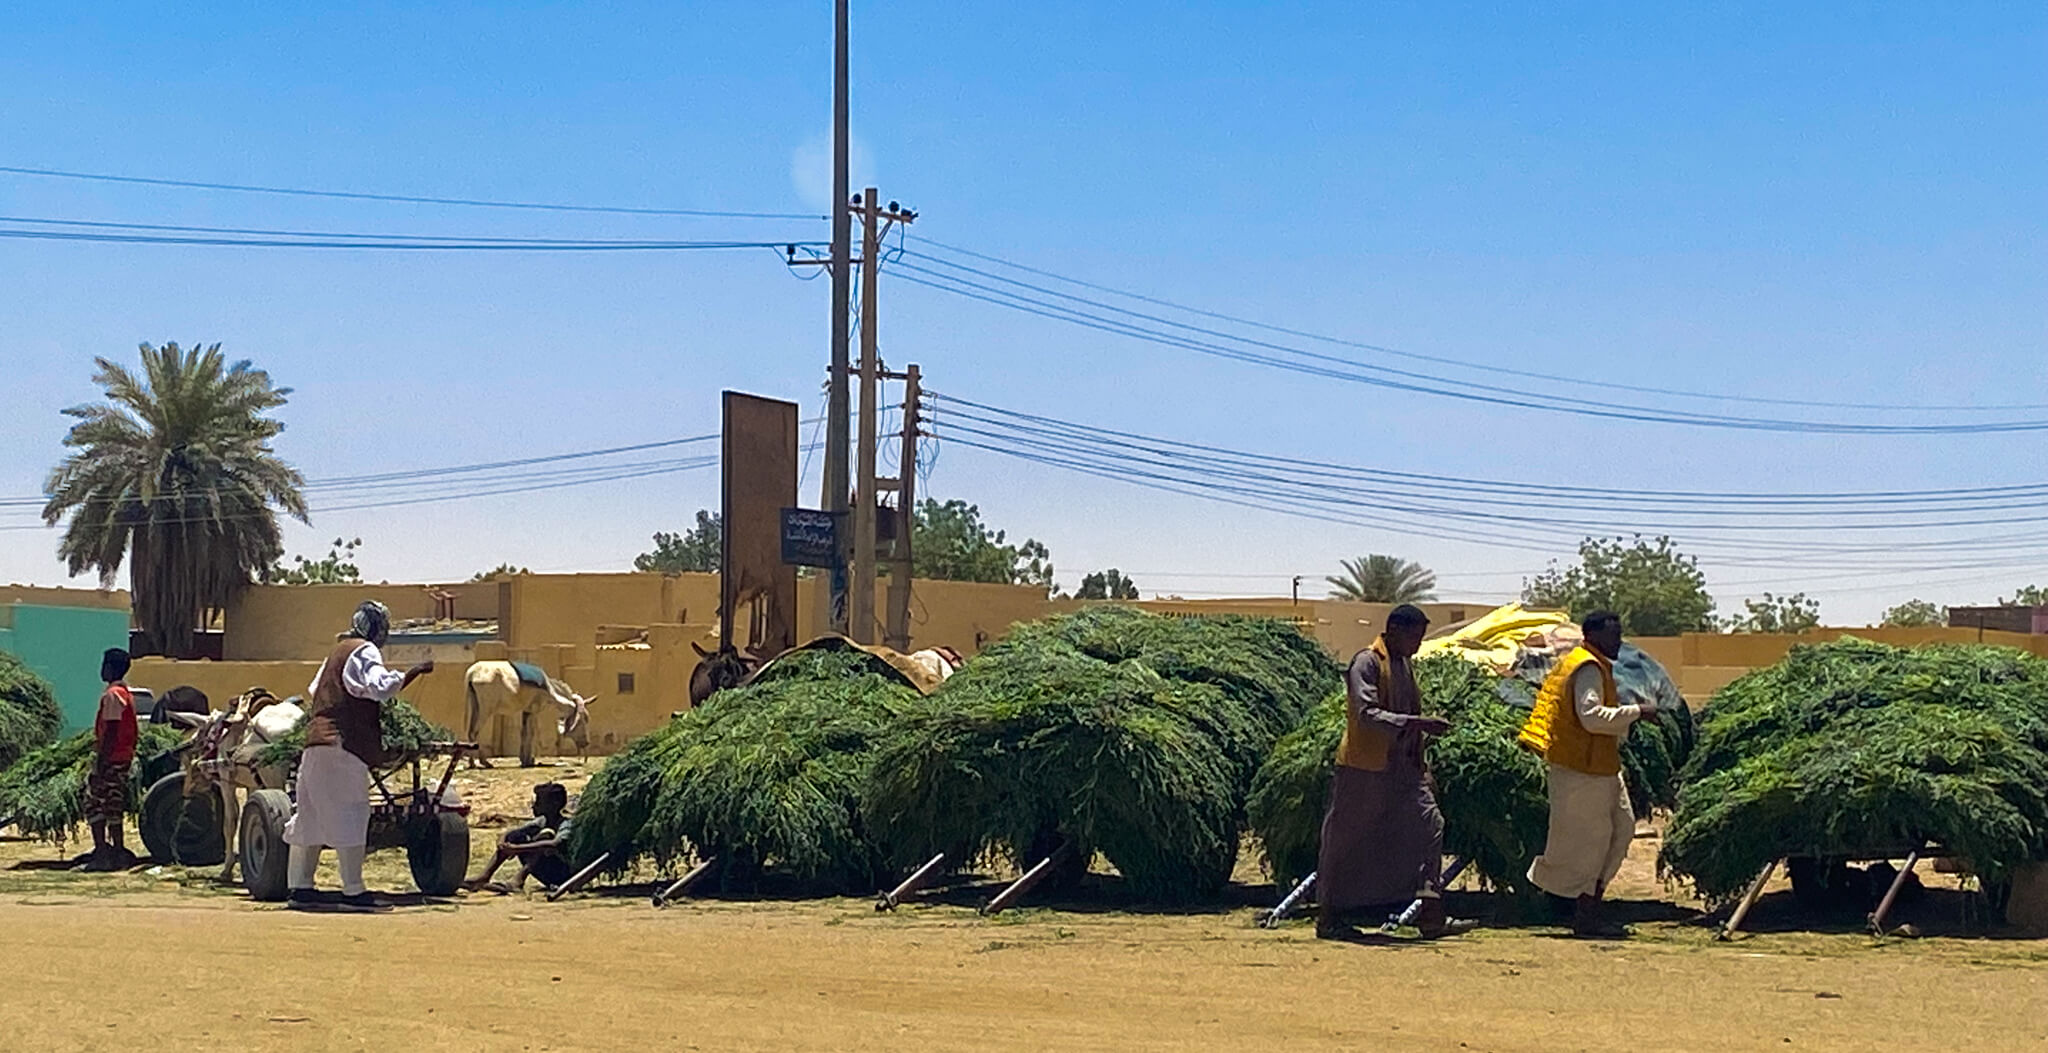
x=356, y=719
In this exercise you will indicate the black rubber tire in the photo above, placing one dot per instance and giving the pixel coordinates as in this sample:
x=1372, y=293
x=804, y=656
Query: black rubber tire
x=158, y=820
x=201, y=839
x=264, y=855
x=437, y=850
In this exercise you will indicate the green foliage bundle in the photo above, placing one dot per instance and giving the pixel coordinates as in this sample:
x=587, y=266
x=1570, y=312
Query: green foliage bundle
x=29, y=716
x=1269, y=672
x=825, y=662
x=766, y=774
x=44, y=792
x=1033, y=738
x=406, y=733
x=1126, y=733
x=1851, y=745
x=1491, y=791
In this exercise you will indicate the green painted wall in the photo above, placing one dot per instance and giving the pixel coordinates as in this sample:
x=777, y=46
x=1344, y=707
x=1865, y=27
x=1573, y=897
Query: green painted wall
x=63, y=645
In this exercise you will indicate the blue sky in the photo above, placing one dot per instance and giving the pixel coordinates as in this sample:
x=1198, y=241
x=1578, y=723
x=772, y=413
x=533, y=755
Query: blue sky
x=1824, y=201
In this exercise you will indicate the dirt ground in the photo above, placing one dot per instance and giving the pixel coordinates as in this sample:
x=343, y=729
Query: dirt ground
x=162, y=958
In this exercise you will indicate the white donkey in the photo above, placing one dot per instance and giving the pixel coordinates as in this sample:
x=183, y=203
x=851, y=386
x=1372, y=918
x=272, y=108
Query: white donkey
x=223, y=759
x=496, y=689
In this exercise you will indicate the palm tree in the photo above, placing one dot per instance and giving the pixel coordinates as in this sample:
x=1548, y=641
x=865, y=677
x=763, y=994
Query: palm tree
x=175, y=473
x=1383, y=579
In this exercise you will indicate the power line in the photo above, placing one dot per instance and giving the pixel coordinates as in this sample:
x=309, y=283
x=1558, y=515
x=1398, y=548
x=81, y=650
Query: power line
x=258, y=231
x=1438, y=359
x=1255, y=482
x=1505, y=486
x=1333, y=368
x=409, y=199
x=355, y=481
x=427, y=243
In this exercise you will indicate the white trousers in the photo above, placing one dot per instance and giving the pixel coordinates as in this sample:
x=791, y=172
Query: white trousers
x=1590, y=830
x=333, y=807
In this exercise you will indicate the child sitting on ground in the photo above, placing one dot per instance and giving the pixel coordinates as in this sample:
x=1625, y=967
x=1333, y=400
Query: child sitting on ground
x=537, y=845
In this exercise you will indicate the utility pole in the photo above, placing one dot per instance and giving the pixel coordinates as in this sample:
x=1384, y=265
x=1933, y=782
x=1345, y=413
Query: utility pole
x=906, y=513
x=836, y=430
x=860, y=596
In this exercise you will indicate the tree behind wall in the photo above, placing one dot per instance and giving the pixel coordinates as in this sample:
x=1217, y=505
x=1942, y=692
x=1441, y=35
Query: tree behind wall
x=697, y=550
x=1777, y=614
x=1108, y=584
x=175, y=476
x=337, y=568
x=949, y=542
x=1914, y=614
x=1383, y=579
x=2029, y=596
x=1657, y=590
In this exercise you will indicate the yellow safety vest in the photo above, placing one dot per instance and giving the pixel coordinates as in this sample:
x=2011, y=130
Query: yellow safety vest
x=1554, y=730
x=1364, y=745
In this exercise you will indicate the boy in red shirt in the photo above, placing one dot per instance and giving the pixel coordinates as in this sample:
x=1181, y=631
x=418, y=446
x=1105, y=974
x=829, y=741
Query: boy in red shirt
x=106, y=789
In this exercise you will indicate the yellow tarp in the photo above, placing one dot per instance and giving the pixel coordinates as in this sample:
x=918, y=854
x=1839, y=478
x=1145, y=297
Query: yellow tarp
x=1500, y=638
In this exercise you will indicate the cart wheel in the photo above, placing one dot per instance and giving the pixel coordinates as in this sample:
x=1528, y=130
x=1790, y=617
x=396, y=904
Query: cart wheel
x=437, y=847
x=264, y=853
x=201, y=839
x=180, y=829
x=159, y=819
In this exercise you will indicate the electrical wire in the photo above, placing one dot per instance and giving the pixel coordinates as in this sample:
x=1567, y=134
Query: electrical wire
x=417, y=243
x=1329, y=367
x=409, y=199
x=1255, y=481
x=1610, y=385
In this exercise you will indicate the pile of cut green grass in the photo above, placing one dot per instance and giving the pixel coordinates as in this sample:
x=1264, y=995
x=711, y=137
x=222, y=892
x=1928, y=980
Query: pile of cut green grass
x=766, y=775
x=1852, y=746
x=29, y=717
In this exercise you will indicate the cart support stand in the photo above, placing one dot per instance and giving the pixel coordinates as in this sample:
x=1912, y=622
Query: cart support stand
x=662, y=898
x=1891, y=895
x=1009, y=896
x=889, y=900
x=1293, y=899
x=1756, y=889
x=580, y=878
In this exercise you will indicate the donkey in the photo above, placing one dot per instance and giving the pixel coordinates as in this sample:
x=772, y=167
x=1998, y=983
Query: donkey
x=223, y=758
x=496, y=689
x=718, y=670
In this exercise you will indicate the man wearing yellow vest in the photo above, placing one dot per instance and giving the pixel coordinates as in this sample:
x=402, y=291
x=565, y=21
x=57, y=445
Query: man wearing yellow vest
x=1383, y=837
x=1577, y=727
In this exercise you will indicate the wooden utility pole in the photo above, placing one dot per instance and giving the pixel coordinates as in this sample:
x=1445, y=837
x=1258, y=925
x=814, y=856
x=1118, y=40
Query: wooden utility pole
x=860, y=596
x=836, y=423
x=865, y=565
x=906, y=514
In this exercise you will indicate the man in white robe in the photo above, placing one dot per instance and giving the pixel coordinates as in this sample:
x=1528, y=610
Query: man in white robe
x=342, y=741
x=1579, y=724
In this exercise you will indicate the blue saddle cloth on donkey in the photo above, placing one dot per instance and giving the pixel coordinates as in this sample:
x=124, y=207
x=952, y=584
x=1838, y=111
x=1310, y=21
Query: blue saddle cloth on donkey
x=531, y=674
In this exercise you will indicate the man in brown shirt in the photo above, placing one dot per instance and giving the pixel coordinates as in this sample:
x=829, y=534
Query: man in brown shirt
x=1382, y=841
